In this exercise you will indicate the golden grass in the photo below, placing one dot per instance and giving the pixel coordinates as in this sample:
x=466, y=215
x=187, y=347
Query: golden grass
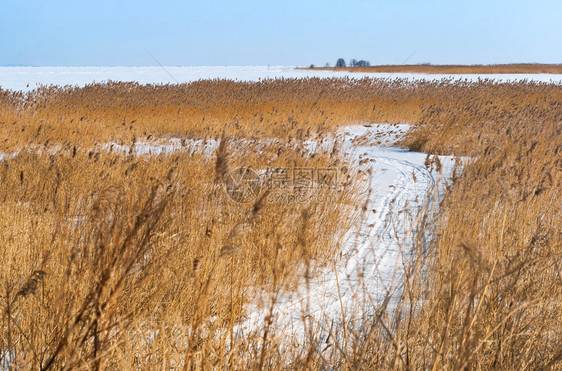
x=121, y=261
x=512, y=68
x=301, y=108
x=493, y=297
x=102, y=252
x=273, y=108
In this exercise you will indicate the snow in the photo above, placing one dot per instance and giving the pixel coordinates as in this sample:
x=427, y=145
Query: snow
x=370, y=263
x=28, y=78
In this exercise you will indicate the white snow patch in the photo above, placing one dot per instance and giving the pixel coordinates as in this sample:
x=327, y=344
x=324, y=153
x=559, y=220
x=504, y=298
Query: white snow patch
x=370, y=263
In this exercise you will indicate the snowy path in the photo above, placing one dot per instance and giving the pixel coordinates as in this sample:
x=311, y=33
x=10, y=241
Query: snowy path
x=370, y=262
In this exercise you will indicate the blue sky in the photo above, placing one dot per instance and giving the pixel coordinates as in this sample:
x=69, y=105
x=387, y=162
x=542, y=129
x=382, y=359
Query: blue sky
x=289, y=32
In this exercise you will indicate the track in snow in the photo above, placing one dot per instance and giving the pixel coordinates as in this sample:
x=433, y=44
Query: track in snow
x=370, y=263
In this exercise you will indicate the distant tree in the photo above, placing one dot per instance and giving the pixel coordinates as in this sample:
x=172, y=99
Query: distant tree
x=327, y=64
x=340, y=62
x=362, y=63
x=312, y=66
x=353, y=62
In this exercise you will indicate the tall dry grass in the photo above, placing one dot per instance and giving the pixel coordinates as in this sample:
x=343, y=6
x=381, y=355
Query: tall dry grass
x=302, y=108
x=120, y=261
x=125, y=261
x=494, y=286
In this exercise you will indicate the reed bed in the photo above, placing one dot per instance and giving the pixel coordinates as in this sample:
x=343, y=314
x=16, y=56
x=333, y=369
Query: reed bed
x=126, y=261
x=296, y=108
x=113, y=260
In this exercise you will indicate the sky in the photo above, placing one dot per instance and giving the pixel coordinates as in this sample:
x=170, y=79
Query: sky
x=289, y=32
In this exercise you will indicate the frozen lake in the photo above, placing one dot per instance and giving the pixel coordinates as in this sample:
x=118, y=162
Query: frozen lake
x=28, y=78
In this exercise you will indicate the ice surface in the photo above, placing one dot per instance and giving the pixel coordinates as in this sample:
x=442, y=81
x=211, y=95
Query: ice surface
x=28, y=78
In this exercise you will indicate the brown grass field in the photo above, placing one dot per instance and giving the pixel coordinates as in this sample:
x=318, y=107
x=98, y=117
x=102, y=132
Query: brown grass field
x=448, y=69
x=123, y=261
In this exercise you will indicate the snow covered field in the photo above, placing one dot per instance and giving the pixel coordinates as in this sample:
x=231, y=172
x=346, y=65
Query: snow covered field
x=27, y=78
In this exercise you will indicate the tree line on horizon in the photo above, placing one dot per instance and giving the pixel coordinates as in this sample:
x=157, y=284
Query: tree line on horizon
x=352, y=63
